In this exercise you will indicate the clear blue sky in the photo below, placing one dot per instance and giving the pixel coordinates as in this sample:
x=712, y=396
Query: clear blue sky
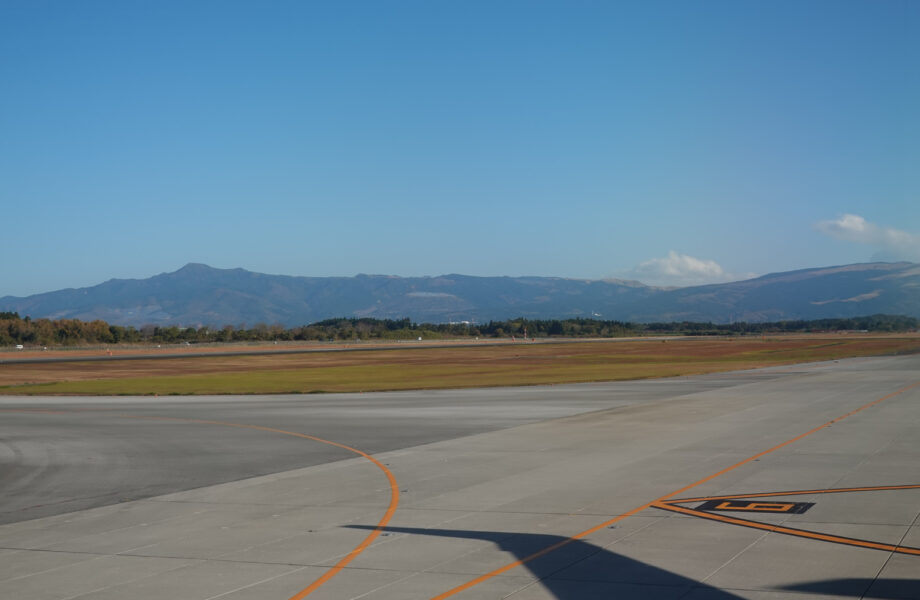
x=674, y=142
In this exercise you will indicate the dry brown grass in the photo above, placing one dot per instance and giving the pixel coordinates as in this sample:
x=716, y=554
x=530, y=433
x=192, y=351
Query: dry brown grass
x=520, y=364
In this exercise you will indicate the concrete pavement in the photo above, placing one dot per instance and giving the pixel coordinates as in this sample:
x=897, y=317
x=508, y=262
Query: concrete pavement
x=539, y=470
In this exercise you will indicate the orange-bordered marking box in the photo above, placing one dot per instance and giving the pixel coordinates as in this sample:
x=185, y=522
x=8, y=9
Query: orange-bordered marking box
x=789, y=508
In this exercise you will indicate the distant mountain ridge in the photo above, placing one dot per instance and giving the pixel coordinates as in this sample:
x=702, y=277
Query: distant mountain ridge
x=198, y=295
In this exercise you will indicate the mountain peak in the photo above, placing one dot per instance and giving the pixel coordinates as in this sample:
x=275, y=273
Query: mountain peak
x=195, y=267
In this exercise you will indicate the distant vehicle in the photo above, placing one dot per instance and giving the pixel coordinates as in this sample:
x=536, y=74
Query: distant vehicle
x=19, y=346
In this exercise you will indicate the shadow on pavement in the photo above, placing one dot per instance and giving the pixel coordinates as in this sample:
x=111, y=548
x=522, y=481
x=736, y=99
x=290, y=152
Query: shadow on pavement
x=589, y=571
x=885, y=589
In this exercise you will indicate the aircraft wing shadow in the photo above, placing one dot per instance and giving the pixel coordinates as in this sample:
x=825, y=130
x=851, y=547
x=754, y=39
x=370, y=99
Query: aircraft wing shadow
x=880, y=587
x=579, y=570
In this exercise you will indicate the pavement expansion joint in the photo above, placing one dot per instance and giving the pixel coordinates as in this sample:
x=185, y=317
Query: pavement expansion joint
x=80, y=552
x=215, y=559
x=487, y=511
x=222, y=503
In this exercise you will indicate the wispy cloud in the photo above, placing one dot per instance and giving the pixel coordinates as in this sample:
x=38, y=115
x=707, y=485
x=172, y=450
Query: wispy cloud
x=890, y=243
x=677, y=269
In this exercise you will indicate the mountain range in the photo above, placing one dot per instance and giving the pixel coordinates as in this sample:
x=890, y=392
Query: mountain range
x=197, y=295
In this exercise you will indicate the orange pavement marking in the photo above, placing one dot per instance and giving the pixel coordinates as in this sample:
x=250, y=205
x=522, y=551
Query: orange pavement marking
x=873, y=488
x=638, y=509
x=394, y=494
x=334, y=570
x=672, y=506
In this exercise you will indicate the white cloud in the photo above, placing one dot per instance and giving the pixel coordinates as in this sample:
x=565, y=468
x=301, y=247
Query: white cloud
x=890, y=243
x=682, y=270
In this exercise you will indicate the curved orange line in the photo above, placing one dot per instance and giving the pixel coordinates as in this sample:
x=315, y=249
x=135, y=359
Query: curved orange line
x=391, y=509
x=335, y=569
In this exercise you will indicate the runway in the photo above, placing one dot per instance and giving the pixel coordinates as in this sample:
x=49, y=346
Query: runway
x=793, y=482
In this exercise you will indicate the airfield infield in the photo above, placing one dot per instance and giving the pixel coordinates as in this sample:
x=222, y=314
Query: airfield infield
x=779, y=483
x=381, y=367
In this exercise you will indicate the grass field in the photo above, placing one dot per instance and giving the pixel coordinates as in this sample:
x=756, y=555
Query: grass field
x=432, y=368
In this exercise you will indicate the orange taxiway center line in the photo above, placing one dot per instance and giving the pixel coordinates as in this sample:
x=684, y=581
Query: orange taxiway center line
x=873, y=488
x=814, y=535
x=638, y=509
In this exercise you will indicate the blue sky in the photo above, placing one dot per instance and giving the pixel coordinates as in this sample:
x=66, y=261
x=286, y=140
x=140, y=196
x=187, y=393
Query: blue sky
x=673, y=142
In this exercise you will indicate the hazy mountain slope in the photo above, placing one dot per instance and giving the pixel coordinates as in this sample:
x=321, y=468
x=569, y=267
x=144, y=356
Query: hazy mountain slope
x=845, y=291
x=197, y=295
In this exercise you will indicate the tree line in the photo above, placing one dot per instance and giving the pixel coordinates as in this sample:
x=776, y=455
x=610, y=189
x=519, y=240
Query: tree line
x=72, y=332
